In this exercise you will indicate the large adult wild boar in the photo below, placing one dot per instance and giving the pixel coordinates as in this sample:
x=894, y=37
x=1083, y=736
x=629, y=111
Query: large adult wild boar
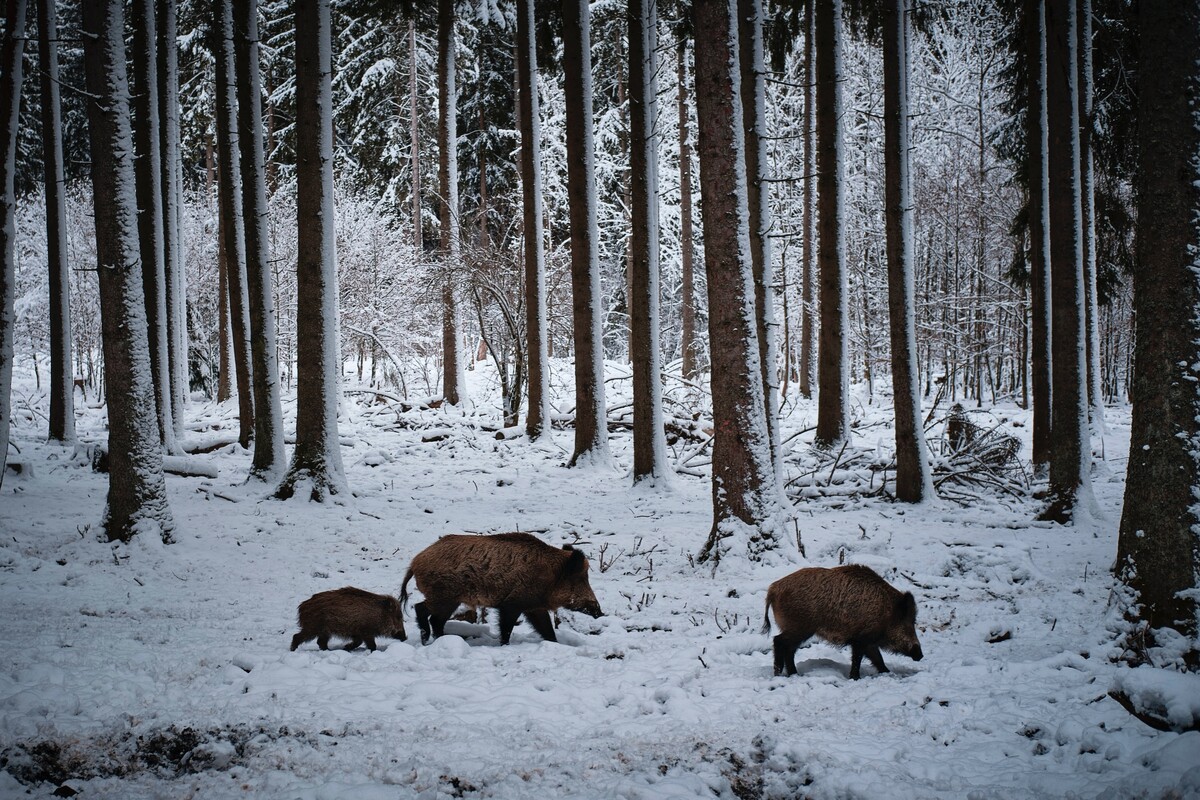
x=355, y=614
x=515, y=573
x=843, y=605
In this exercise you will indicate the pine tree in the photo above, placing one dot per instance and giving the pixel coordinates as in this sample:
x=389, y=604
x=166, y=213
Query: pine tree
x=453, y=380
x=10, y=113
x=688, y=341
x=172, y=199
x=1038, y=187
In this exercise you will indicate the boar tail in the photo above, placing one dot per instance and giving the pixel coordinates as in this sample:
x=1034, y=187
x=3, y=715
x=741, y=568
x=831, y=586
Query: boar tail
x=766, y=628
x=404, y=590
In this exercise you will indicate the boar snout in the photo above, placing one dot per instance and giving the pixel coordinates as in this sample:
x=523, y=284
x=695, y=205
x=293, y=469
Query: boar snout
x=915, y=654
x=592, y=610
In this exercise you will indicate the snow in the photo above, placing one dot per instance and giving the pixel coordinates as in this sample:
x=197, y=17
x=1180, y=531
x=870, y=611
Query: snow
x=165, y=670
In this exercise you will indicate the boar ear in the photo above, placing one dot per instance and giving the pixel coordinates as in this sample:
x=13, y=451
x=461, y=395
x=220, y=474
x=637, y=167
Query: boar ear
x=576, y=563
x=906, y=606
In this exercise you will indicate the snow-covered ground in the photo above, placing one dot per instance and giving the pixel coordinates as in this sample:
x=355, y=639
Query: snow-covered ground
x=145, y=670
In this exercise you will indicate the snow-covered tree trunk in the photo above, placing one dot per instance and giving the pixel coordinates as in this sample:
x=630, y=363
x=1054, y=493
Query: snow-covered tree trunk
x=591, y=418
x=537, y=421
x=745, y=491
x=1037, y=147
x=688, y=342
x=649, y=441
x=137, y=492
x=809, y=212
x=1158, y=552
x=414, y=139
x=754, y=116
x=148, y=174
x=229, y=192
x=172, y=199
x=1070, y=452
x=10, y=115
x=454, y=383
x=317, y=459
x=1088, y=207
x=833, y=425
x=62, y=389
x=224, y=339
x=914, y=481
x=268, y=416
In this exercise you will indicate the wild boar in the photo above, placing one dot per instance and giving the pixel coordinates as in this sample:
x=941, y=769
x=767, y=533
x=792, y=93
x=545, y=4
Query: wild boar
x=354, y=614
x=515, y=573
x=843, y=605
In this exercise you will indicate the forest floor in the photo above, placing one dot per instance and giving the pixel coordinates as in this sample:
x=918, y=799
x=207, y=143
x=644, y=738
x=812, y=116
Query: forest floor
x=145, y=670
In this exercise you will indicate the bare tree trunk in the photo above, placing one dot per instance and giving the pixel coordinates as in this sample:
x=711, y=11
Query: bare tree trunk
x=268, y=416
x=688, y=343
x=537, y=421
x=10, y=112
x=148, y=174
x=414, y=141
x=591, y=422
x=137, y=493
x=809, y=214
x=225, y=339
x=172, y=199
x=649, y=442
x=317, y=459
x=228, y=192
x=1158, y=554
x=1036, y=143
x=1088, y=207
x=832, y=415
x=914, y=482
x=1070, y=452
x=453, y=379
x=62, y=388
x=754, y=115
x=745, y=491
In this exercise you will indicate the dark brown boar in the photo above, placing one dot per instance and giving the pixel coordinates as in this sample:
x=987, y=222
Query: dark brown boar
x=843, y=605
x=354, y=614
x=515, y=573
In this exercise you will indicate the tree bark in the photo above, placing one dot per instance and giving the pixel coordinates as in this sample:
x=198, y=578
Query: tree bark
x=1070, y=451
x=172, y=200
x=148, y=175
x=832, y=415
x=229, y=190
x=914, y=482
x=414, y=142
x=453, y=379
x=317, y=458
x=745, y=492
x=10, y=113
x=809, y=213
x=224, y=338
x=62, y=388
x=688, y=343
x=1088, y=208
x=1158, y=551
x=1037, y=145
x=591, y=431
x=537, y=421
x=137, y=492
x=649, y=440
x=268, y=457
x=753, y=90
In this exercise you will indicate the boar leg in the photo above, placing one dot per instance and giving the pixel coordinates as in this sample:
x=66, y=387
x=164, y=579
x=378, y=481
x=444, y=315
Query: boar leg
x=508, y=619
x=422, y=612
x=439, y=613
x=539, y=618
x=872, y=652
x=302, y=637
x=370, y=640
x=355, y=642
x=785, y=653
x=323, y=641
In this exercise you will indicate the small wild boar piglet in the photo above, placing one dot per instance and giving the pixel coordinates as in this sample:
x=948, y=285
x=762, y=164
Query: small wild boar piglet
x=515, y=573
x=843, y=605
x=355, y=614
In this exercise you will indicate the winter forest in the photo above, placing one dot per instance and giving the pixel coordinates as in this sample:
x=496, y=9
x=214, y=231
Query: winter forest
x=727, y=343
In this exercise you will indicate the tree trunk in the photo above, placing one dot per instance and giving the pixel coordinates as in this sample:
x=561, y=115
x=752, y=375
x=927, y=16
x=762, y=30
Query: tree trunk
x=317, y=459
x=414, y=142
x=1158, y=552
x=268, y=416
x=745, y=492
x=1070, y=451
x=649, y=440
x=832, y=415
x=10, y=113
x=453, y=379
x=62, y=387
x=688, y=344
x=224, y=338
x=172, y=200
x=591, y=428
x=754, y=115
x=1088, y=208
x=537, y=421
x=229, y=190
x=1036, y=144
x=137, y=492
x=809, y=213
x=148, y=174
x=914, y=482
